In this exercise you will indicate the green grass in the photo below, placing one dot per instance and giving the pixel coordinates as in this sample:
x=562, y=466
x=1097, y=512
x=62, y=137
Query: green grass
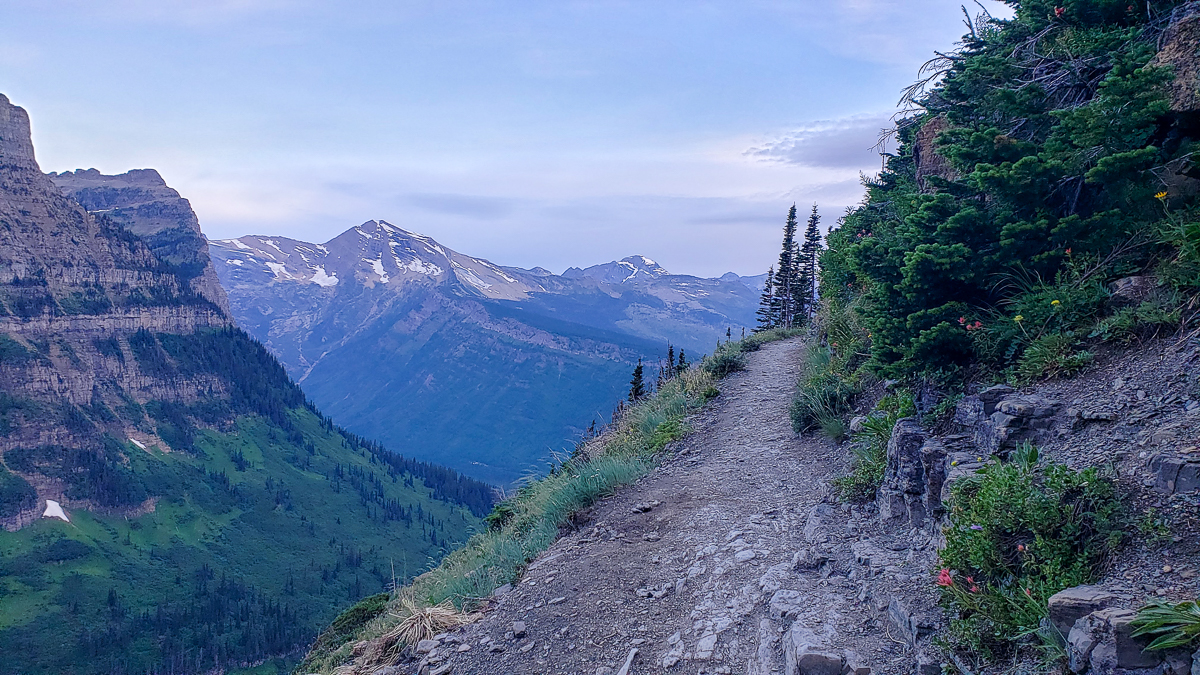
x=529, y=522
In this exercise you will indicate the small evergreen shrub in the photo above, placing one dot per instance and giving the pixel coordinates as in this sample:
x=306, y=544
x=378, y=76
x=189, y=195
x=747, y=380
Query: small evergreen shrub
x=1019, y=532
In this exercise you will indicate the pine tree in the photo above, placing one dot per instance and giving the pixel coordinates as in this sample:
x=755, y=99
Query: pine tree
x=670, y=361
x=683, y=362
x=785, y=275
x=810, y=252
x=637, y=386
x=767, y=319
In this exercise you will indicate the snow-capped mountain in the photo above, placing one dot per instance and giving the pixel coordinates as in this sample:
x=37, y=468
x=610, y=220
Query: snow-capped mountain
x=634, y=269
x=375, y=252
x=456, y=359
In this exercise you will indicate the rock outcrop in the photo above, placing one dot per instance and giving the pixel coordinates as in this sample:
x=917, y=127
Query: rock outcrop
x=1177, y=51
x=142, y=202
x=931, y=163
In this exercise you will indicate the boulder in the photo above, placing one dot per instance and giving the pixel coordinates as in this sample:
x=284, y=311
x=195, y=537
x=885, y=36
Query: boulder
x=1070, y=605
x=902, y=495
x=1174, y=474
x=426, y=646
x=1012, y=418
x=1102, y=643
x=1131, y=290
x=973, y=410
x=806, y=654
x=908, y=624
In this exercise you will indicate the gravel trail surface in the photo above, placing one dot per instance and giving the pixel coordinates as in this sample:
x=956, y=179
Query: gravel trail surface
x=732, y=557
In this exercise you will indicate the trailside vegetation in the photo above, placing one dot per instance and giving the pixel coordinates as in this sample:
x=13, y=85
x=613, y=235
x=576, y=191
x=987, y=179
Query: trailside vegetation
x=1019, y=532
x=1048, y=156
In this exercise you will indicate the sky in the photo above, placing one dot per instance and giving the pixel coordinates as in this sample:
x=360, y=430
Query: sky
x=553, y=134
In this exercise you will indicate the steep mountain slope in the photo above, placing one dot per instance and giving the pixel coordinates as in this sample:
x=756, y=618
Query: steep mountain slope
x=170, y=501
x=453, y=359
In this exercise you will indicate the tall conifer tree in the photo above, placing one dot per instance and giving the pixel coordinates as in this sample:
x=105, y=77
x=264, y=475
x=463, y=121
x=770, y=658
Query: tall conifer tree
x=785, y=274
x=766, y=304
x=637, y=386
x=810, y=252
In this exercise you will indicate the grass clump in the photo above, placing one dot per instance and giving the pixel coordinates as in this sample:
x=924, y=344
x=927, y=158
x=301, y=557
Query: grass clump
x=1172, y=626
x=524, y=525
x=869, y=448
x=1019, y=532
x=832, y=374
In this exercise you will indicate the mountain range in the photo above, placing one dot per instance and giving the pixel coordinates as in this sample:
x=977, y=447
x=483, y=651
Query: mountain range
x=170, y=500
x=449, y=358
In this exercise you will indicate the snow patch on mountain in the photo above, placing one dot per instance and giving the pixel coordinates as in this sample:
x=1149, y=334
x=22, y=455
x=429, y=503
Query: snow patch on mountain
x=322, y=278
x=55, y=510
x=280, y=270
x=377, y=267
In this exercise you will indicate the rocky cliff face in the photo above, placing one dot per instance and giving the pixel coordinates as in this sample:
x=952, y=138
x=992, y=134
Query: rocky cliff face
x=457, y=360
x=141, y=202
x=73, y=288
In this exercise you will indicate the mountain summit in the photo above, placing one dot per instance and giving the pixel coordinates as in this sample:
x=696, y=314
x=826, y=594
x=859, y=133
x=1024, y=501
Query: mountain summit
x=455, y=359
x=633, y=269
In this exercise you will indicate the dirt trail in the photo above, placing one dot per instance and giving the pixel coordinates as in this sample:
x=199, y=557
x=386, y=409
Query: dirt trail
x=741, y=564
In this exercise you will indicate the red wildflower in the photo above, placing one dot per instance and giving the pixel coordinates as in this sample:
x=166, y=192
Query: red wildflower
x=944, y=578
x=978, y=325
x=1068, y=251
x=962, y=320
x=1027, y=593
x=1020, y=547
x=1059, y=11
x=974, y=588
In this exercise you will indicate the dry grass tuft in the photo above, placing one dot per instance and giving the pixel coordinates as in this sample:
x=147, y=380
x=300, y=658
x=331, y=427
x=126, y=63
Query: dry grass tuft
x=421, y=623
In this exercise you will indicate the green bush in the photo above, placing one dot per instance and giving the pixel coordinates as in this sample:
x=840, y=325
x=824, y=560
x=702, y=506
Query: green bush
x=823, y=394
x=1019, y=532
x=1145, y=321
x=725, y=360
x=1052, y=355
x=1172, y=626
x=1056, y=181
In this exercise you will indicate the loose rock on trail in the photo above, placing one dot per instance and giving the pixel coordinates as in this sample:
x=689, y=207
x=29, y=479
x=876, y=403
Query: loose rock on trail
x=732, y=557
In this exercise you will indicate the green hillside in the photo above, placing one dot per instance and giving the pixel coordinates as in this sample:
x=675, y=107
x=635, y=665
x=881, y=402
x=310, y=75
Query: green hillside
x=259, y=530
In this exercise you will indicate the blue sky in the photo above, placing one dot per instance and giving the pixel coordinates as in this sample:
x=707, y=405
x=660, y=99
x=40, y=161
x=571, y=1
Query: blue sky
x=531, y=133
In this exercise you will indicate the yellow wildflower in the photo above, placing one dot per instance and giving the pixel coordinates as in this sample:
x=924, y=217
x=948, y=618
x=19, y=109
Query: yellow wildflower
x=1161, y=195
x=1018, y=318
x=1055, y=303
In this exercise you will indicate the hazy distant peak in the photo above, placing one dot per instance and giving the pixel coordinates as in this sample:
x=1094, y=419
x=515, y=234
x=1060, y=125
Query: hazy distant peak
x=635, y=268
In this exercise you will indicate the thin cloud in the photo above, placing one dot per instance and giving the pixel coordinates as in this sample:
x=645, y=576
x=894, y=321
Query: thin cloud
x=473, y=206
x=833, y=144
